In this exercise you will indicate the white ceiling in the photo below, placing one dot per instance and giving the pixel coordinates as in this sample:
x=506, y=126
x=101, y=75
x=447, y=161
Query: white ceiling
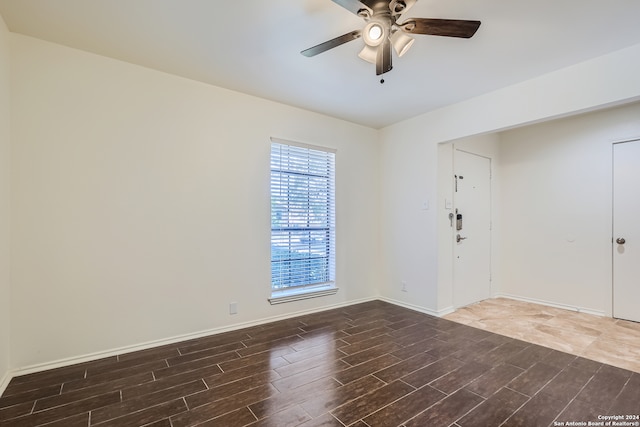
x=253, y=46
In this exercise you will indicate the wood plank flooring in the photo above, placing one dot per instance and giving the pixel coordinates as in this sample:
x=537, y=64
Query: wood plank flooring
x=371, y=364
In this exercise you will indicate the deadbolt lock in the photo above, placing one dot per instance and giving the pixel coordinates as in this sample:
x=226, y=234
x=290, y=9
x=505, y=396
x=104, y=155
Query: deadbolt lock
x=620, y=241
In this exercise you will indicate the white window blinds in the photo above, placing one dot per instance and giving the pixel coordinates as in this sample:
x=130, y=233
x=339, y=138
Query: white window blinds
x=302, y=216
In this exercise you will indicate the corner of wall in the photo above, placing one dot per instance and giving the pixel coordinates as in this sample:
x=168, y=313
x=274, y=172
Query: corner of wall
x=5, y=197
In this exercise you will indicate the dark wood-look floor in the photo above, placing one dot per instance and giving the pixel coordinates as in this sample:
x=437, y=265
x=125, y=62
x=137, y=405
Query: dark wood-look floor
x=372, y=364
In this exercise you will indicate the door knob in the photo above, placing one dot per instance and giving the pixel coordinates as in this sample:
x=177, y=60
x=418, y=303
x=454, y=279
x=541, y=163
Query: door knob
x=620, y=241
x=458, y=238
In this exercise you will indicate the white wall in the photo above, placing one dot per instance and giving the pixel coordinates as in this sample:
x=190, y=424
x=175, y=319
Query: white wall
x=137, y=196
x=409, y=152
x=556, y=212
x=5, y=135
x=408, y=249
x=141, y=204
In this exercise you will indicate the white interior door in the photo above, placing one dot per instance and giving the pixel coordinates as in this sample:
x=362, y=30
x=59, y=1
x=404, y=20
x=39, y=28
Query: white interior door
x=472, y=245
x=626, y=231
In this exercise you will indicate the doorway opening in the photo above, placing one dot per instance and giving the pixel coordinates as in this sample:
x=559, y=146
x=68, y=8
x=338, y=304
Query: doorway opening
x=472, y=228
x=466, y=235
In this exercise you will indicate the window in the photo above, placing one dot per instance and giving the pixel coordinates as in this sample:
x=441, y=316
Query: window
x=302, y=221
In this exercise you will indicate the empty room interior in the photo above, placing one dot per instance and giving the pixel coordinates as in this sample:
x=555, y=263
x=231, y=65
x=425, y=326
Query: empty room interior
x=469, y=250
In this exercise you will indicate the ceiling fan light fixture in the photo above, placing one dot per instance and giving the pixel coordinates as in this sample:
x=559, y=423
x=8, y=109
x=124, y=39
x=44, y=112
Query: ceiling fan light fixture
x=373, y=34
x=401, y=42
x=369, y=54
x=383, y=29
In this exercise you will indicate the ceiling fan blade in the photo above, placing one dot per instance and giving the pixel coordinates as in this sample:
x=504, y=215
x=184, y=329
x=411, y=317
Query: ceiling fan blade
x=323, y=47
x=441, y=27
x=353, y=6
x=383, y=60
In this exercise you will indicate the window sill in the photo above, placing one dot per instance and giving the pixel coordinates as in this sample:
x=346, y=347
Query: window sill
x=279, y=297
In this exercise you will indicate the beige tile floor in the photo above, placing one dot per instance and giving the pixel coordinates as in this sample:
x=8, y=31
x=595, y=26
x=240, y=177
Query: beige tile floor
x=604, y=339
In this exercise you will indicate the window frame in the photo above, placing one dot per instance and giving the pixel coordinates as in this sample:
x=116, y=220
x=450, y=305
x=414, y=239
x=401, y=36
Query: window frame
x=306, y=290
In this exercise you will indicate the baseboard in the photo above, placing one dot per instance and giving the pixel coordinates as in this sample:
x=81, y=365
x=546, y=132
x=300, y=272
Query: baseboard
x=553, y=304
x=4, y=382
x=436, y=313
x=157, y=343
x=445, y=311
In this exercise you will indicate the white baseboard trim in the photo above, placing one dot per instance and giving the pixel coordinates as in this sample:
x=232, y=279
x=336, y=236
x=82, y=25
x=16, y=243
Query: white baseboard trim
x=553, y=304
x=436, y=313
x=4, y=382
x=446, y=310
x=172, y=340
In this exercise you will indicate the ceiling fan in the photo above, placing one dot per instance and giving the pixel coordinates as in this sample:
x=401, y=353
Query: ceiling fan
x=382, y=30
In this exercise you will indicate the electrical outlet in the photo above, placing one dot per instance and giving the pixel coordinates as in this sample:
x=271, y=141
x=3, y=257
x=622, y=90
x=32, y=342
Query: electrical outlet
x=404, y=286
x=233, y=308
